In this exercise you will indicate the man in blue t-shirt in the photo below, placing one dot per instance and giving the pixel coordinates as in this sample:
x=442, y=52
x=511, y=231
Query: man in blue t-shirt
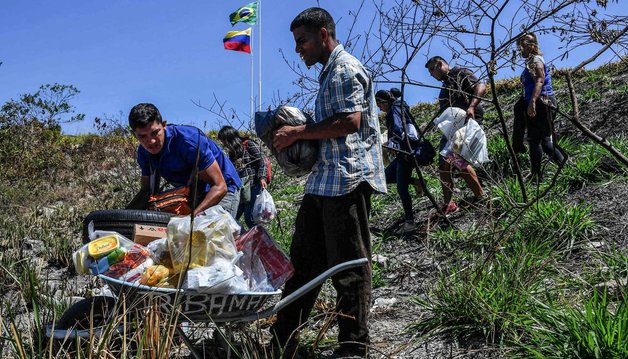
x=170, y=152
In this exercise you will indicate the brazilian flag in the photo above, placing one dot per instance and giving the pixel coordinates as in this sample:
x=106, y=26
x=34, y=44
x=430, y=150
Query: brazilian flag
x=246, y=14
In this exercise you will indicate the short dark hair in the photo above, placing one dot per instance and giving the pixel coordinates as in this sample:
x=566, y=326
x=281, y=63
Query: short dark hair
x=315, y=18
x=433, y=60
x=143, y=114
x=395, y=92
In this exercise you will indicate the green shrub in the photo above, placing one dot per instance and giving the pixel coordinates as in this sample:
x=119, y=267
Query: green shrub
x=597, y=329
x=486, y=299
x=558, y=223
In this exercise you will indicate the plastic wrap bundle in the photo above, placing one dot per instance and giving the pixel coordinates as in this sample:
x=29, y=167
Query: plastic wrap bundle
x=297, y=159
x=265, y=266
x=113, y=255
x=466, y=140
x=450, y=121
x=212, y=237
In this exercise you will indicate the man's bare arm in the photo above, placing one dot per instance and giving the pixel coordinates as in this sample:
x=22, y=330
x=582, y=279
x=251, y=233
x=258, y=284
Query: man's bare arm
x=140, y=201
x=339, y=125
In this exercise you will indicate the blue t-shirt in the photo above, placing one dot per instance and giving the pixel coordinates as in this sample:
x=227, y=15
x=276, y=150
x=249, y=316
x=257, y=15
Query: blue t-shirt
x=529, y=82
x=175, y=162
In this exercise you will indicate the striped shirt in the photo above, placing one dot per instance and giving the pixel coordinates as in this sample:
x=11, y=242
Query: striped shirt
x=253, y=160
x=344, y=162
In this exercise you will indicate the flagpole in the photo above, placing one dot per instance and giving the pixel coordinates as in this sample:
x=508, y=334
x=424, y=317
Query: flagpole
x=252, y=99
x=259, y=21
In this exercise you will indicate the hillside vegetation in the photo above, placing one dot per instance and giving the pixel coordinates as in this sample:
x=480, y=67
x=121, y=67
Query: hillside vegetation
x=542, y=278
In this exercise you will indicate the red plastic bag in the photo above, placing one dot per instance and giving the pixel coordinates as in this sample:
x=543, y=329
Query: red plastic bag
x=257, y=244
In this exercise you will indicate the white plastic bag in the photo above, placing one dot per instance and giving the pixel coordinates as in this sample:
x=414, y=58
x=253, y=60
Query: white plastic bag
x=450, y=121
x=411, y=131
x=212, y=238
x=469, y=142
x=222, y=277
x=264, y=208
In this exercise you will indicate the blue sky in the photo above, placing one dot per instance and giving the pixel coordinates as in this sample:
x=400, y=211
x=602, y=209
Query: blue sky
x=119, y=53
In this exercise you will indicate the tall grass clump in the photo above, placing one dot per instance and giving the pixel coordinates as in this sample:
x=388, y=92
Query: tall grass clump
x=557, y=223
x=507, y=194
x=591, y=163
x=463, y=242
x=24, y=335
x=597, y=328
x=501, y=161
x=484, y=300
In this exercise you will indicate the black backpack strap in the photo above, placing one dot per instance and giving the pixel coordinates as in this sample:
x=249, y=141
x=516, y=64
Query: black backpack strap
x=153, y=179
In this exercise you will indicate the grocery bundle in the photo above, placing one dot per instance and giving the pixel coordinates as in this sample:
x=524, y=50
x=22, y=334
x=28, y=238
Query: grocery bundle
x=113, y=255
x=207, y=251
x=264, y=209
x=265, y=265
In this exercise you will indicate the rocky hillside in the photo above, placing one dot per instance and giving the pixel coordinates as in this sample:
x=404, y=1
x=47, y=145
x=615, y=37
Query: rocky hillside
x=471, y=286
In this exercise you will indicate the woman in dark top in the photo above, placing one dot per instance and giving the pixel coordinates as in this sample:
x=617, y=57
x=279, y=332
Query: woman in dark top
x=399, y=171
x=534, y=110
x=248, y=158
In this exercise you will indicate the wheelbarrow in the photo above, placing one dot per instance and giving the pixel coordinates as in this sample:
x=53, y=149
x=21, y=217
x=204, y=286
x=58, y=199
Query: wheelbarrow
x=196, y=307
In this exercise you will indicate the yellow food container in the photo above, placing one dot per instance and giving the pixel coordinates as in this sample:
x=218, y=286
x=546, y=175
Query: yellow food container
x=154, y=275
x=102, y=246
x=81, y=261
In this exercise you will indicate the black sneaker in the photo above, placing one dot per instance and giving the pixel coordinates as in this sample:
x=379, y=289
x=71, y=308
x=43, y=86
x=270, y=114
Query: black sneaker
x=350, y=351
x=409, y=226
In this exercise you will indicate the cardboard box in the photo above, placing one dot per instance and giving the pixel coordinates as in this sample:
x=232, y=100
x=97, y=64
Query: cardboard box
x=144, y=234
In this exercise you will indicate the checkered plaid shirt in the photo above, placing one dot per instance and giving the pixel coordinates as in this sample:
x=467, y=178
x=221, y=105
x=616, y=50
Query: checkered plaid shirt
x=344, y=162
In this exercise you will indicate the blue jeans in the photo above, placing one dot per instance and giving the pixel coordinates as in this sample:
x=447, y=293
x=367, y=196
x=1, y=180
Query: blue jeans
x=399, y=171
x=246, y=208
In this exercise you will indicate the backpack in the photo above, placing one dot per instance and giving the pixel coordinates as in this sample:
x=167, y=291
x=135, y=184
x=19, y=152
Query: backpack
x=269, y=174
x=420, y=150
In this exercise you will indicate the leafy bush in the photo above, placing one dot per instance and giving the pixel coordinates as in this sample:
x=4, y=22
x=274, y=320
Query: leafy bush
x=30, y=131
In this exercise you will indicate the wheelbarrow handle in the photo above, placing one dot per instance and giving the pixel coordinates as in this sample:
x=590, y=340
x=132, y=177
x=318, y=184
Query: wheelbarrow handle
x=320, y=279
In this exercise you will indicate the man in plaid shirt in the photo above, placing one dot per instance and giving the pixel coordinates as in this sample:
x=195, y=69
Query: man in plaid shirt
x=332, y=224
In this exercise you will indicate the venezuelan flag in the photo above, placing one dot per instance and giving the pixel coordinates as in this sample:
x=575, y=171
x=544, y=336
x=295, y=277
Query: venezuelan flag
x=246, y=14
x=238, y=40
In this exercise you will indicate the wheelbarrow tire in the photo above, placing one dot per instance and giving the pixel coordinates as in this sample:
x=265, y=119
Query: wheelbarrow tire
x=79, y=315
x=88, y=314
x=123, y=221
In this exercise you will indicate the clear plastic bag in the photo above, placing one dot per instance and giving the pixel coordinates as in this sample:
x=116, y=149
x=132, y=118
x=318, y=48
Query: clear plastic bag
x=113, y=255
x=264, y=208
x=265, y=265
x=213, y=236
x=222, y=277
